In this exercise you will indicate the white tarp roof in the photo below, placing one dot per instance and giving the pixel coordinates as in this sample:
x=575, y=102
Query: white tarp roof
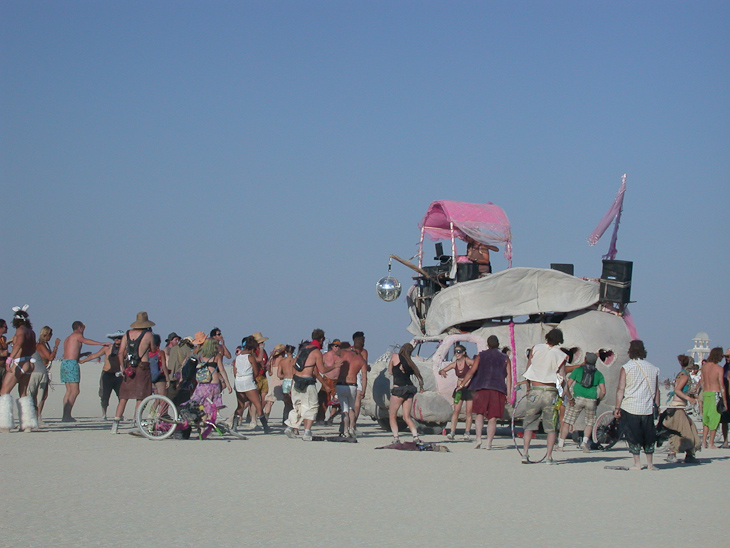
x=516, y=291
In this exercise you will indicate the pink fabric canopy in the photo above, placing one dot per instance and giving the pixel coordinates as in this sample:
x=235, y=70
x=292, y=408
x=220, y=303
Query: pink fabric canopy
x=485, y=223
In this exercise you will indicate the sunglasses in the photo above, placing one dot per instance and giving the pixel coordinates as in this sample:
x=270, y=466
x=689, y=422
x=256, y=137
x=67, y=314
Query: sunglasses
x=458, y=351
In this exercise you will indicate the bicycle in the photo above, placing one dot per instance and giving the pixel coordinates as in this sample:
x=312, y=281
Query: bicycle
x=158, y=419
x=606, y=432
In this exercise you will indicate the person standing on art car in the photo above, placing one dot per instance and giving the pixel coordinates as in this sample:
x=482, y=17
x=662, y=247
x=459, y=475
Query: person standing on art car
x=478, y=253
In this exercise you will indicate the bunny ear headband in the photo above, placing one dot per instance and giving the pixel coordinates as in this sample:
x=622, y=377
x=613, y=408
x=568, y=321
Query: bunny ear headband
x=18, y=309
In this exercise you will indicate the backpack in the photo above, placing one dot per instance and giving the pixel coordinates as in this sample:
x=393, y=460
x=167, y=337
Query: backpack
x=203, y=374
x=302, y=355
x=589, y=372
x=133, y=358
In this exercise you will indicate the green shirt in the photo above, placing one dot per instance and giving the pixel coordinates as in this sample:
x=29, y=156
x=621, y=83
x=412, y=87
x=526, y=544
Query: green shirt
x=579, y=391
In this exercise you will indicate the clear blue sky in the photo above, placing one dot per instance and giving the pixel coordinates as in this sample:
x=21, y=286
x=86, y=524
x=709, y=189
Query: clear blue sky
x=251, y=165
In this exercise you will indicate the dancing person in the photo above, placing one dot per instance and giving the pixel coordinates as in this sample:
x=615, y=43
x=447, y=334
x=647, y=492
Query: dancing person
x=461, y=365
x=358, y=345
x=177, y=357
x=245, y=369
x=586, y=389
x=211, y=377
x=159, y=373
x=353, y=366
x=490, y=380
x=285, y=373
x=18, y=367
x=110, y=379
x=636, y=394
x=4, y=350
x=545, y=366
x=401, y=368
x=725, y=415
x=713, y=387
x=70, y=371
x=684, y=437
x=39, y=378
x=137, y=381
x=217, y=336
x=275, y=392
x=308, y=367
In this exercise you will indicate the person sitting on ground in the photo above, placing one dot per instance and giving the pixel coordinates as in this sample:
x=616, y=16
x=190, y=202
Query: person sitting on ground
x=586, y=389
x=401, y=368
x=684, y=437
x=461, y=366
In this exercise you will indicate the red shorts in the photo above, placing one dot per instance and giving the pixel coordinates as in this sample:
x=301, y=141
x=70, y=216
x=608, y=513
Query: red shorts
x=489, y=403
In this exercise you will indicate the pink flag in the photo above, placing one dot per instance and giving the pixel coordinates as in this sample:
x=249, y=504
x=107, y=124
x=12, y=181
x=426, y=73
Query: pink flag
x=613, y=213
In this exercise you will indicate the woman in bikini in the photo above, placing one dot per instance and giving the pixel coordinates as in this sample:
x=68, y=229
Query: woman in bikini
x=400, y=368
x=461, y=366
x=18, y=367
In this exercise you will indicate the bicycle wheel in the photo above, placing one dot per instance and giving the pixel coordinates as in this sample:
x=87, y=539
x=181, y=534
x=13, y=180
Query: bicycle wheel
x=157, y=417
x=224, y=429
x=605, y=431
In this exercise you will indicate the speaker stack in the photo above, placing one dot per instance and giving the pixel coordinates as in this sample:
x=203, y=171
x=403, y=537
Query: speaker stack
x=616, y=281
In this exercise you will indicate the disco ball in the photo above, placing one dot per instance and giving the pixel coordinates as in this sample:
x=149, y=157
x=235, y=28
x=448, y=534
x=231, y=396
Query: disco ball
x=388, y=288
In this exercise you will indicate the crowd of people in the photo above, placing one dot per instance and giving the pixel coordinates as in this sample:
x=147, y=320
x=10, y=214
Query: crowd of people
x=312, y=382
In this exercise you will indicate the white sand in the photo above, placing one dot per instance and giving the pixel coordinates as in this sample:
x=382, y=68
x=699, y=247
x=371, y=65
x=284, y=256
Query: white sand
x=77, y=485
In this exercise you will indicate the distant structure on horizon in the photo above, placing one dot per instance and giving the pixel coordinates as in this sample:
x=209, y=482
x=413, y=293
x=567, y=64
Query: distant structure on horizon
x=701, y=348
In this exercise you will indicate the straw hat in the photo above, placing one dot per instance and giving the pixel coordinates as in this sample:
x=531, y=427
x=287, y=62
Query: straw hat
x=259, y=337
x=278, y=349
x=143, y=322
x=199, y=338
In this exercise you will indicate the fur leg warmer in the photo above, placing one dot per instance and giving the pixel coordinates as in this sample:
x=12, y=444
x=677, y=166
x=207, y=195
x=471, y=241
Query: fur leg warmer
x=7, y=421
x=26, y=413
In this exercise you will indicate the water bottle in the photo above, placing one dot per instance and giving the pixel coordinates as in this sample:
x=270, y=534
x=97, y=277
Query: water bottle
x=457, y=396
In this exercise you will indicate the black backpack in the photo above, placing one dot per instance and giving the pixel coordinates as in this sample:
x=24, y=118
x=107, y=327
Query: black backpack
x=302, y=355
x=133, y=358
x=589, y=372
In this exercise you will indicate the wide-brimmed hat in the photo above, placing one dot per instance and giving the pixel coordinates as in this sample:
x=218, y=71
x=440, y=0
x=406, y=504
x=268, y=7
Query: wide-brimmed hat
x=118, y=334
x=171, y=336
x=143, y=322
x=259, y=337
x=199, y=338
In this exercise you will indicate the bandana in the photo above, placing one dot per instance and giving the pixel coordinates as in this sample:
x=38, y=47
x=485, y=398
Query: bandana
x=318, y=344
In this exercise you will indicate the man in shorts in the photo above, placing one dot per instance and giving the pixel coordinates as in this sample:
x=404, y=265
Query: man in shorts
x=304, y=389
x=358, y=345
x=70, y=371
x=490, y=378
x=545, y=364
x=581, y=397
x=352, y=367
x=713, y=389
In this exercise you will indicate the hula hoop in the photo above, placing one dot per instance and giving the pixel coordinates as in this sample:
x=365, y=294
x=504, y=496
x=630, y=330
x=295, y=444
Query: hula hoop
x=514, y=437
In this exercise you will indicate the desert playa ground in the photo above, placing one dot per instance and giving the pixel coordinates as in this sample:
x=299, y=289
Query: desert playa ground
x=77, y=485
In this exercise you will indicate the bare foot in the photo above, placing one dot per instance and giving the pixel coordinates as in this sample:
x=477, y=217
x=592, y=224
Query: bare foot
x=713, y=446
x=635, y=467
x=478, y=445
x=489, y=447
x=652, y=468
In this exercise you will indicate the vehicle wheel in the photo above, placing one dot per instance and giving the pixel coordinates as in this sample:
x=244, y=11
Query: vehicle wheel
x=157, y=417
x=605, y=431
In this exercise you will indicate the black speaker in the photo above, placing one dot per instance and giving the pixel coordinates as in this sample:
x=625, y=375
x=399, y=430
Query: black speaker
x=562, y=267
x=466, y=272
x=616, y=281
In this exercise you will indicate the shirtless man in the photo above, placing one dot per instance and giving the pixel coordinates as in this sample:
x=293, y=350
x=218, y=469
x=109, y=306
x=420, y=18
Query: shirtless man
x=285, y=372
x=327, y=392
x=138, y=385
x=304, y=391
x=358, y=345
x=18, y=367
x=352, y=367
x=479, y=253
x=216, y=334
x=70, y=371
x=712, y=384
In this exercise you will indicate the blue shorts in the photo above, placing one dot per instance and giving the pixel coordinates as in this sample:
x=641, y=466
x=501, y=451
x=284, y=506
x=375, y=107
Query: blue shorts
x=70, y=371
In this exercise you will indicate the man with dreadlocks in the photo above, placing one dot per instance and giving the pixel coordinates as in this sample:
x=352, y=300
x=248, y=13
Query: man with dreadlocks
x=586, y=388
x=18, y=367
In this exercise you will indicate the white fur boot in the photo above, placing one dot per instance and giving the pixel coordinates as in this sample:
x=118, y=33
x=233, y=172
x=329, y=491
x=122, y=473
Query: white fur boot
x=26, y=413
x=7, y=421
